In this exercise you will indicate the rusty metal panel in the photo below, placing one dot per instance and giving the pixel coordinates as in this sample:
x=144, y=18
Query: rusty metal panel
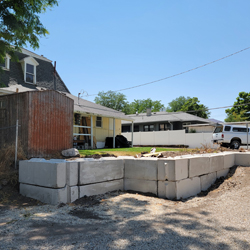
x=45, y=118
x=50, y=123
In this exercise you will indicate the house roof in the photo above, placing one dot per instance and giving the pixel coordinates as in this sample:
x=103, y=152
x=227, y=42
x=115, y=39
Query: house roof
x=88, y=107
x=165, y=117
x=84, y=106
x=44, y=73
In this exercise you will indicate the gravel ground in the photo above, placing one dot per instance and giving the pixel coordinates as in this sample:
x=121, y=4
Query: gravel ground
x=118, y=220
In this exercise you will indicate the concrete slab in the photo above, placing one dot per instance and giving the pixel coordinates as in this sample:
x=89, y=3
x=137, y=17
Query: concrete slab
x=100, y=188
x=216, y=163
x=167, y=189
x=221, y=173
x=172, y=170
x=100, y=171
x=72, y=194
x=188, y=187
x=47, y=195
x=199, y=166
x=72, y=173
x=242, y=159
x=229, y=160
x=144, y=186
x=141, y=169
x=207, y=180
x=45, y=174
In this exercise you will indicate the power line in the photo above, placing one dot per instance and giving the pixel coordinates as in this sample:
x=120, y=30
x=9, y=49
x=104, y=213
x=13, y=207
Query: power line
x=181, y=73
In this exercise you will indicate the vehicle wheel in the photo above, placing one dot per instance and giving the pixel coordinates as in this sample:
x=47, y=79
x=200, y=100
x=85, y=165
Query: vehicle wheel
x=235, y=144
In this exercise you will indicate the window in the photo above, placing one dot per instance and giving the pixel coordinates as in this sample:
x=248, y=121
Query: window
x=29, y=73
x=6, y=64
x=240, y=129
x=148, y=127
x=164, y=126
x=136, y=128
x=125, y=128
x=29, y=65
x=98, y=122
x=227, y=128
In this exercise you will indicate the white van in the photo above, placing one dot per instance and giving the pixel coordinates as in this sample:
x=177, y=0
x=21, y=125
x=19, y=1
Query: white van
x=232, y=136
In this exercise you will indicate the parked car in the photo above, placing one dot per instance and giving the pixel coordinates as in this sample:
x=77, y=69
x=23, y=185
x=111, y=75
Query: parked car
x=232, y=136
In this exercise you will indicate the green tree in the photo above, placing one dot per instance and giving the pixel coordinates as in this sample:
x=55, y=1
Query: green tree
x=241, y=109
x=176, y=104
x=114, y=100
x=141, y=106
x=20, y=24
x=234, y=117
x=192, y=104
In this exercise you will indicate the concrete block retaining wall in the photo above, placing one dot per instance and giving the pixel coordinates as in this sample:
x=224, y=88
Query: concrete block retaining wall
x=60, y=181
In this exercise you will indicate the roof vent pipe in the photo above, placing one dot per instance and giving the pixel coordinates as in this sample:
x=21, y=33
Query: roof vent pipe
x=148, y=111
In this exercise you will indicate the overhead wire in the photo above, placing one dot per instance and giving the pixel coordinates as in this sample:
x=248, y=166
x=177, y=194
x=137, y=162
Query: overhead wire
x=181, y=73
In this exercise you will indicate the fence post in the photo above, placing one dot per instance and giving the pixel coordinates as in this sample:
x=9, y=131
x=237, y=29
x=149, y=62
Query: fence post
x=16, y=143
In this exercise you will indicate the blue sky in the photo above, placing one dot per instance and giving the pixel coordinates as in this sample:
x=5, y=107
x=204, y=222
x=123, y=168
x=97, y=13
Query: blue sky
x=110, y=45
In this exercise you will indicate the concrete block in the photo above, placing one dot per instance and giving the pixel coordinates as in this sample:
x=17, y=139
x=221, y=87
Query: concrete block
x=216, y=163
x=188, y=187
x=144, y=186
x=100, y=188
x=71, y=173
x=221, y=173
x=242, y=159
x=100, y=170
x=199, y=166
x=172, y=170
x=207, y=180
x=229, y=160
x=167, y=189
x=72, y=193
x=141, y=169
x=47, y=195
x=44, y=173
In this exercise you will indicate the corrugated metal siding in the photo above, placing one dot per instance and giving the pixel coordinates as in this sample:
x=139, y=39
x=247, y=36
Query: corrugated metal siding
x=50, y=124
x=14, y=107
x=46, y=119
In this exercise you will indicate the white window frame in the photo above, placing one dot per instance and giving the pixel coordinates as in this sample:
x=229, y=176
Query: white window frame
x=98, y=121
x=29, y=60
x=7, y=62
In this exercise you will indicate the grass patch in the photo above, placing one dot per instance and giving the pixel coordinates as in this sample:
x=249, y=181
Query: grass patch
x=126, y=151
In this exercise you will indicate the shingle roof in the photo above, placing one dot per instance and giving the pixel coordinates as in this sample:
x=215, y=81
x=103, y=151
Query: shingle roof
x=88, y=107
x=165, y=116
x=44, y=73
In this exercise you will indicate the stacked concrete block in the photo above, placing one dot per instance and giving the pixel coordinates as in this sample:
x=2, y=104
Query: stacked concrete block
x=242, y=159
x=199, y=166
x=43, y=180
x=229, y=160
x=207, y=180
x=50, y=174
x=100, y=188
x=47, y=195
x=188, y=187
x=222, y=173
x=72, y=181
x=95, y=171
x=173, y=169
x=141, y=175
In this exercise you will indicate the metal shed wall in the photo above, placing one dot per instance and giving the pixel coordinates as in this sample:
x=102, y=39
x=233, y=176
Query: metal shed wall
x=46, y=119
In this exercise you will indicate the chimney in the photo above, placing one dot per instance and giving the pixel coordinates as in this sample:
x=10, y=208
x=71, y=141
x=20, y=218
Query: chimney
x=148, y=111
